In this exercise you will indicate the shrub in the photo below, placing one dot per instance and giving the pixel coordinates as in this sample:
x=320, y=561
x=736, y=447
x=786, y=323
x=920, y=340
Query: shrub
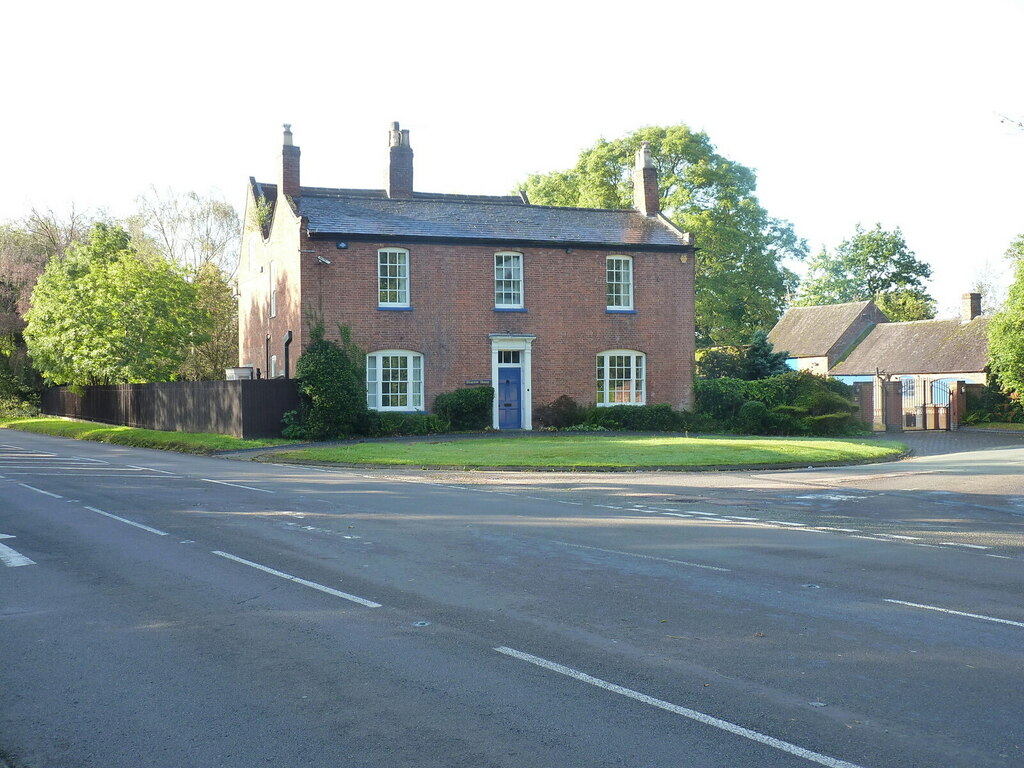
x=637, y=418
x=392, y=424
x=465, y=409
x=560, y=414
x=332, y=389
x=754, y=418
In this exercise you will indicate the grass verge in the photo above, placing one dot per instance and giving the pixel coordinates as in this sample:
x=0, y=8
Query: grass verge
x=182, y=442
x=1003, y=425
x=603, y=451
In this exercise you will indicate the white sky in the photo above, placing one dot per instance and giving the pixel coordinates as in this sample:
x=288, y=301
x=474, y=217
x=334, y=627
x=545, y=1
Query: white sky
x=868, y=111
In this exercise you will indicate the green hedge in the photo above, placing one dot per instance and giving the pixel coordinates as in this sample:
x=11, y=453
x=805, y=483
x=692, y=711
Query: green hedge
x=466, y=409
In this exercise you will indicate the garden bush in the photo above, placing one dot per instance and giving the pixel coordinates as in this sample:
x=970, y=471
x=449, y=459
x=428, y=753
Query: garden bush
x=393, y=424
x=331, y=381
x=466, y=409
x=562, y=413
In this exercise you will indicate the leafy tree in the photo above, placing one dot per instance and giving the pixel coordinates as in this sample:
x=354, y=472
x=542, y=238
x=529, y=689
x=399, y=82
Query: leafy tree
x=873, y=264
x=741, y=282
x=1006, y=328
x=202, y=236
x=756, y=360
x=189, y=229
x=215, y=294
x=104, y=314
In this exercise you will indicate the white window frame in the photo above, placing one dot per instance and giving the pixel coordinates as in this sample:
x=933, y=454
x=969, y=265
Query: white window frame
x=382, y=387
x=397, y=271
x=504, y=284
x=273, y=288
x=622, y=298
x=612, y=384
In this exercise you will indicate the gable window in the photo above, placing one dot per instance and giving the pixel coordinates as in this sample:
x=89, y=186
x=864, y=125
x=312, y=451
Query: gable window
x=508, y=280
x=392, y=277
x=620, y=378
x=394, y=380
x=273, y=289
x=619, y=283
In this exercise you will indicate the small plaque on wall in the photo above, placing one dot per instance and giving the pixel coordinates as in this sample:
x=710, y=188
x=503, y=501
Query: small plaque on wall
x=477, y=382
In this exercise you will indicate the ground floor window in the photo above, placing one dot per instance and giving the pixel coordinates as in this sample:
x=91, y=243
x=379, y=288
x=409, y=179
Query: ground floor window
x=394, y=380
x=620, y=378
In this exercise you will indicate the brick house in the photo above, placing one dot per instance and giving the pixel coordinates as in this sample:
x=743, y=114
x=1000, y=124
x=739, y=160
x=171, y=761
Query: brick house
x=446, y=291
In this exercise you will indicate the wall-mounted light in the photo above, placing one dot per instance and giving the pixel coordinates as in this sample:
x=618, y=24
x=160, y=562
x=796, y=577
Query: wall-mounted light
x=341, y=246
x=322, y=260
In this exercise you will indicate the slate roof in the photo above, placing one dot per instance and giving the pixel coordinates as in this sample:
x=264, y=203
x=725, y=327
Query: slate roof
x=815, y=331
x=922, y=346
x=477, y=218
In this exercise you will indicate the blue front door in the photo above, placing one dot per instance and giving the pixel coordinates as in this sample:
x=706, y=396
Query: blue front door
x=510, y=415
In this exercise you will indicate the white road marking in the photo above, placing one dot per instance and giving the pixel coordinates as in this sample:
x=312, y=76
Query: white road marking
x=956, y=544
x=737, y=517
x=645, y=557
x=958, y=613
x=126, y=521
x=692, y=714
x=236, y=485
x=782, y=522
x=11, y=557
x=150, y=469
x=303, y=582
x=40, y=490
x=897, y=536
x=678, y=514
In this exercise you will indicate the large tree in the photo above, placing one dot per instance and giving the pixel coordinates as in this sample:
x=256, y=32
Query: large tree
x=1006, y=329
x=105, y=314
x=873, y=264
x=202, y=236
x=742, y=283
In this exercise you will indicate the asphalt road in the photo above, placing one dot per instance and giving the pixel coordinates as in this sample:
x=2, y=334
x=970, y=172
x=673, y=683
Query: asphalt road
x=164, y=610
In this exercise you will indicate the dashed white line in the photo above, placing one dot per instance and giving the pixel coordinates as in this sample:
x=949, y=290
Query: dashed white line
x=40, y=490
x=150, y=469
x=303, y=582
x=646, y=557
x=126, y=521
x=692, y=714
x=958, y=613
x=783, y=522
x=957, y=544
x=678, y=514
x=235, y=485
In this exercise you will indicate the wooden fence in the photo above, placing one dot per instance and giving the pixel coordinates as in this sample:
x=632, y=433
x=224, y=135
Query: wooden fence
x=246, y=408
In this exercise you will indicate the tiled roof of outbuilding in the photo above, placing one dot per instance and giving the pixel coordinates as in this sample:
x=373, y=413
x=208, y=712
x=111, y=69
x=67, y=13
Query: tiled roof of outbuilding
x=922, y=346
x=371, y=213
x=814, y=331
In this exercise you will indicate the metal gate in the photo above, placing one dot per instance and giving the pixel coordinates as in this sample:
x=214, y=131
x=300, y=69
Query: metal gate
x=925, y=404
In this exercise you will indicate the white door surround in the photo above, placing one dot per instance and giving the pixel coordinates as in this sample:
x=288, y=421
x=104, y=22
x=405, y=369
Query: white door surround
x=512, y=342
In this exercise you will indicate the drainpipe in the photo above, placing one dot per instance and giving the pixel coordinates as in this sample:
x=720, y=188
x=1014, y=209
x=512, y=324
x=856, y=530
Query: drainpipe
x=266, y=351
x=287, y=343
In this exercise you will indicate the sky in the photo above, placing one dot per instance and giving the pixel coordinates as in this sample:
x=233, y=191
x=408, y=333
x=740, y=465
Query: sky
x=850, y=112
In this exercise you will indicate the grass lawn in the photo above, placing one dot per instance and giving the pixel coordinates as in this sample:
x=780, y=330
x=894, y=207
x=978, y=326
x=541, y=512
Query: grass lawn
x=183, y=442
x=1000, y=425
x=582, y=451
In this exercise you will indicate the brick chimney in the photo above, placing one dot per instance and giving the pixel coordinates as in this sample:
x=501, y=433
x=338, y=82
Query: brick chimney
x=645, y=182
x=399, y=178
x=289, y=181
x=970, y=307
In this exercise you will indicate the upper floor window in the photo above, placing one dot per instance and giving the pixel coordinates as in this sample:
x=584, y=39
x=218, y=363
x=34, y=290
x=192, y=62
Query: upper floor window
x=619, y=282
x=620, y=378
x=394, y=380
x=393, y=277
x=508, y=280
x=273, y=289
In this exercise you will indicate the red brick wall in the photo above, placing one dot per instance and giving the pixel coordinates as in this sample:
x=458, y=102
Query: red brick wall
x=452, y=297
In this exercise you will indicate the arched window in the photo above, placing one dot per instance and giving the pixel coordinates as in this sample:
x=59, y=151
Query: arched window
x=394, y=380
x=621, y=378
